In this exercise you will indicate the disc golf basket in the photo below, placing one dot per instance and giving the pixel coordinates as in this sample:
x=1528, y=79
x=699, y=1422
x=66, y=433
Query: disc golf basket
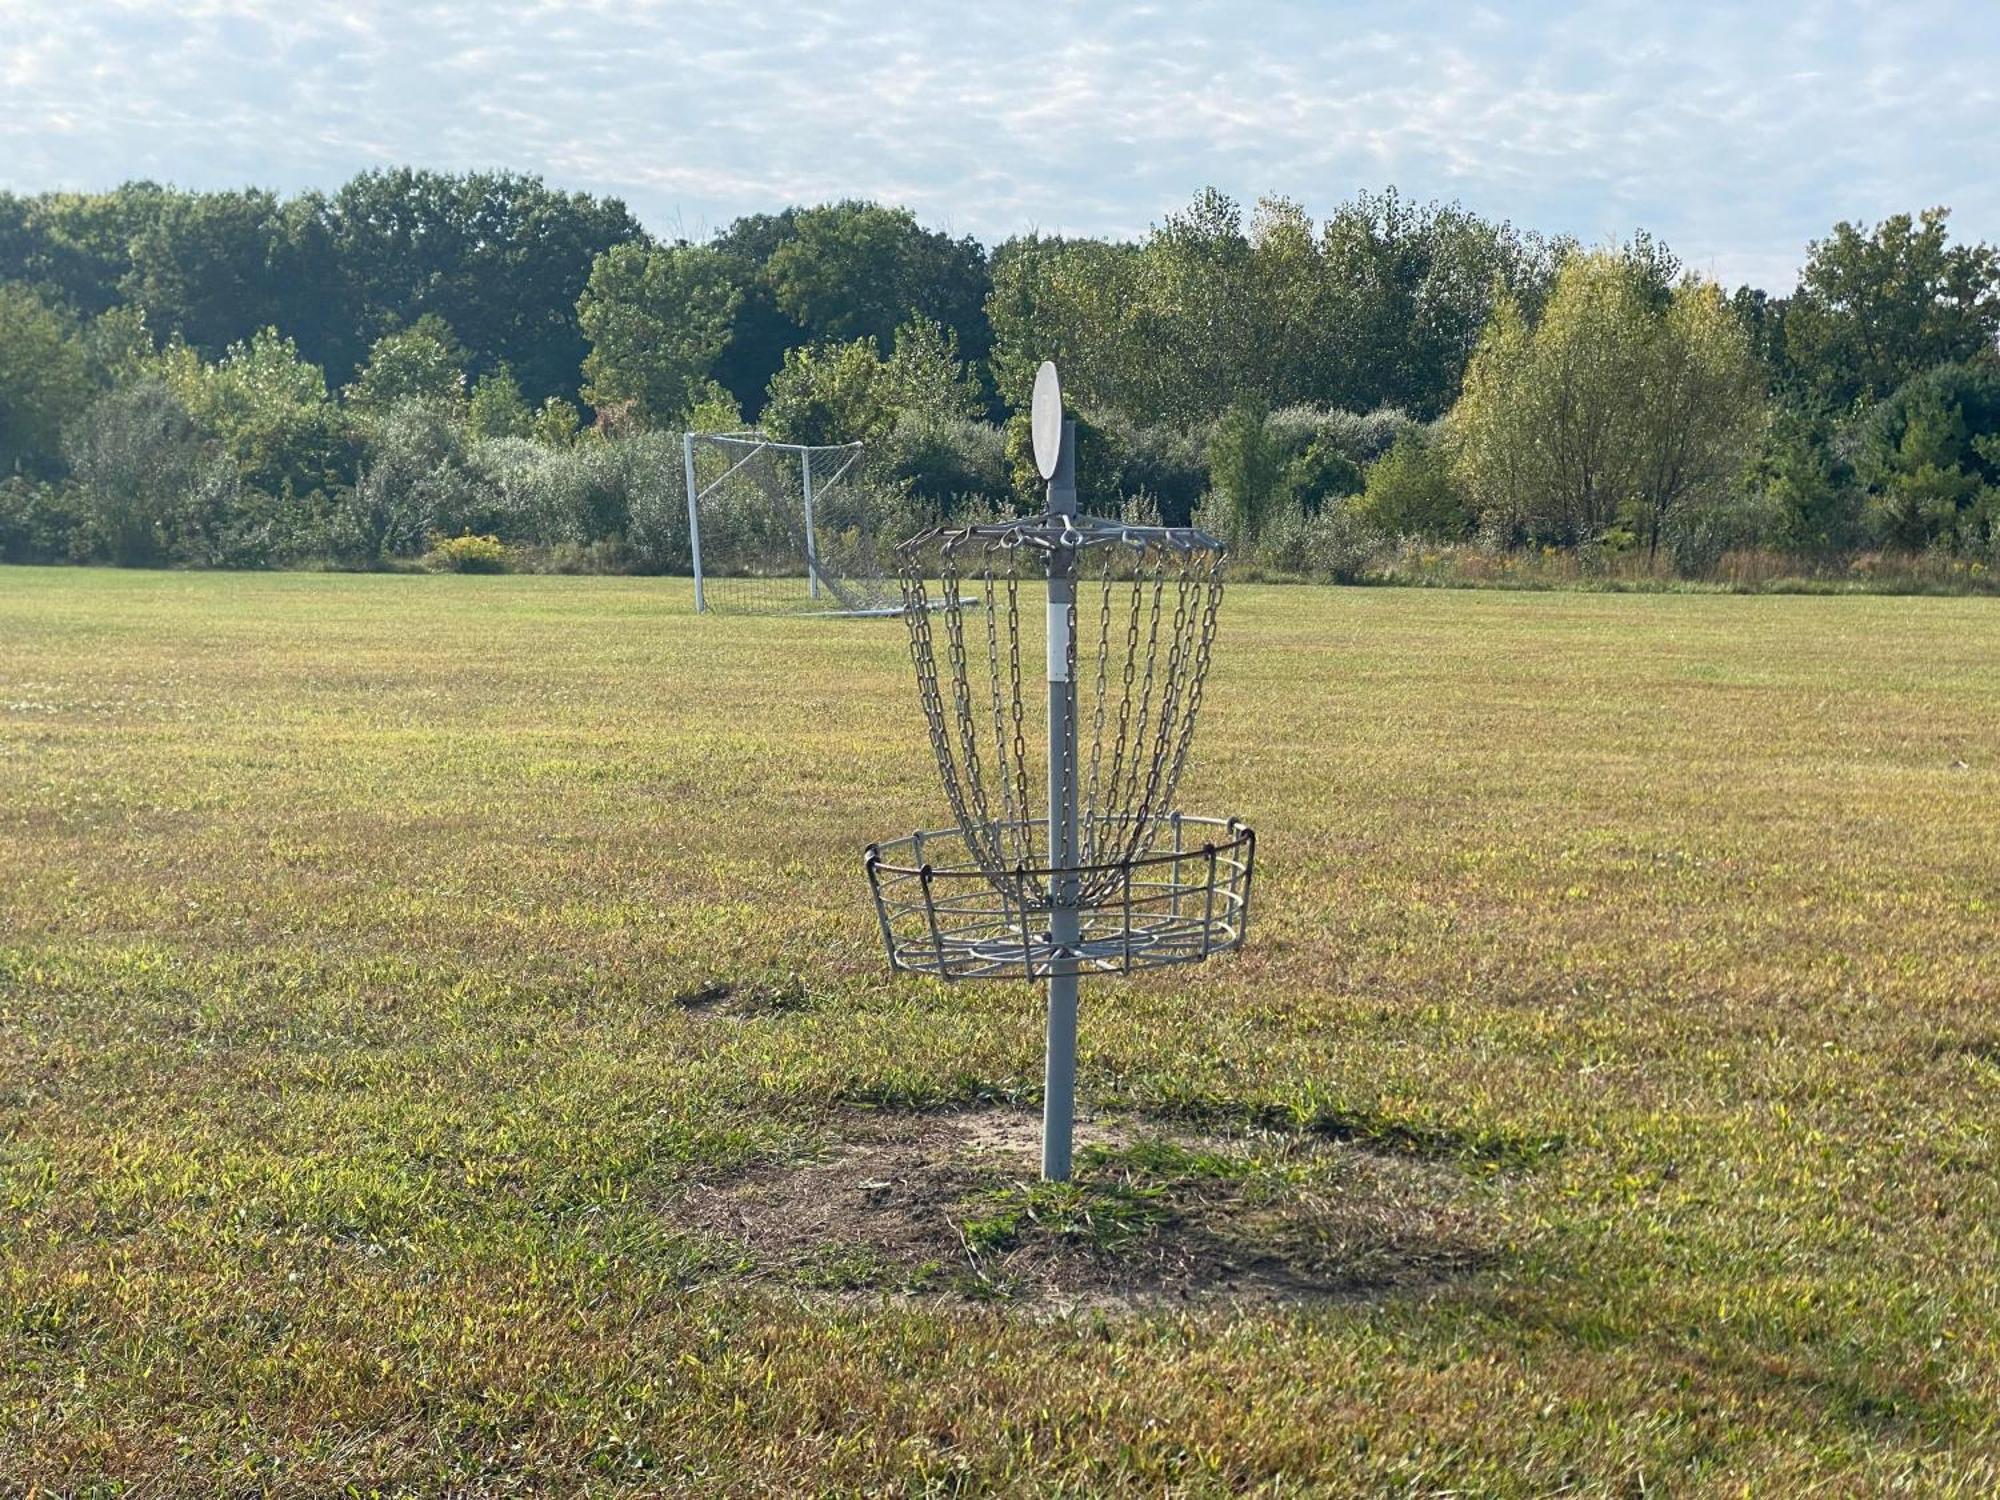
x=1070, y=855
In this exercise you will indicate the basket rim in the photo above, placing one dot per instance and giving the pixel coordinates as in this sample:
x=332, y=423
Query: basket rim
x=1241, y=836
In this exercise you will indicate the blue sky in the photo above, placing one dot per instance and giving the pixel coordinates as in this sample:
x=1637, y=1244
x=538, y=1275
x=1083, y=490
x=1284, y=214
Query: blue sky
x=1735, y=132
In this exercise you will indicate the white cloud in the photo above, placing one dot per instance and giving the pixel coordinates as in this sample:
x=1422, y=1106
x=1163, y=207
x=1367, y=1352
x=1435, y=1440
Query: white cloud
x=1733, y=136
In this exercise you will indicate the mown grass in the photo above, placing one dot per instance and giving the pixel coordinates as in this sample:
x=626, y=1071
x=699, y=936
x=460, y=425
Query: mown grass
x=353, y=1054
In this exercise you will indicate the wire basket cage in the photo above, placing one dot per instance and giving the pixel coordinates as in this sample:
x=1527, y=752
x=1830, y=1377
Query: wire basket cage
x=942, y=915
x=1065, y=797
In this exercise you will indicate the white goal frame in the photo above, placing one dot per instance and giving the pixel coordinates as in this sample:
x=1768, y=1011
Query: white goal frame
x=840, y=459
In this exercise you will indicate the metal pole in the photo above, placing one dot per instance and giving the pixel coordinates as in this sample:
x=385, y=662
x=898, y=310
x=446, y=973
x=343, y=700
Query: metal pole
x=812, y=556
x=1065, y=923
x=694, y=521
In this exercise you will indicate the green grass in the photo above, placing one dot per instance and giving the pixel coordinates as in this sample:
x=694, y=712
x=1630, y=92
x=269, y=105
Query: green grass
x=360, y=940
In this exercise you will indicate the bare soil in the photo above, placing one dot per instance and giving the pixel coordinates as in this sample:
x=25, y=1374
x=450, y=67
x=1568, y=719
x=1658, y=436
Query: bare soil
x=949, y=1207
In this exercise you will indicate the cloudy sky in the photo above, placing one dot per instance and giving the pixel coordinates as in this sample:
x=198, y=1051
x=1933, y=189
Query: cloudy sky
x=1735, y=131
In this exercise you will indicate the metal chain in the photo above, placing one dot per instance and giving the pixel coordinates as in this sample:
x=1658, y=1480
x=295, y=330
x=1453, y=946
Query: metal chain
x=1123, y=799
x=1088, y=817
x=1025, y=831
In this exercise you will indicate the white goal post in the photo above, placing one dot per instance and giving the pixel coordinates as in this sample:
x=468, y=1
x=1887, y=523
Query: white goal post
x=778, y=527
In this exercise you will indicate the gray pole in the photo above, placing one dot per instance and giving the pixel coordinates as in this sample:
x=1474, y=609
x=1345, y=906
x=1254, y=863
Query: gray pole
x=812, y=557
x=1059, y=1079
x=694, y=521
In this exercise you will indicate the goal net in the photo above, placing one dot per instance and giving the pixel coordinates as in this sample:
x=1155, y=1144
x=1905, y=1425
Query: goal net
x=784, y=528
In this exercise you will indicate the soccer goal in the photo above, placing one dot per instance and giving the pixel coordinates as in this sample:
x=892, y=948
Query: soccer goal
x=783, y=528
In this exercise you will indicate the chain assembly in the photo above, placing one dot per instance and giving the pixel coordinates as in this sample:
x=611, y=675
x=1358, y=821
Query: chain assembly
x=975, y=900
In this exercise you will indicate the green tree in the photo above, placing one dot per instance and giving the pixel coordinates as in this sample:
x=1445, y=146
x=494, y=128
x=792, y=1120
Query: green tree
x=118, y=347
x=1613, y=411
x=420, y=363
x=1316, y=474
x=211, y=267
x=1070, y=301
x=1699, y=408
x=853, y=270
x=759, y=331
x=497, y=408
x=44, y=381
x=830, y=394
x=714, y=409
x=1876, y=308
x=848, y=392
x=557, y=423
x=1930, y=457
x=656, y=319
x=924, y=373
x=501, y=257
x=1815, y=498
x=270, y=411
x=76, y=247
x=1408, y=289
x=1381, y=305
x=1410, y=491
x=1245, y=468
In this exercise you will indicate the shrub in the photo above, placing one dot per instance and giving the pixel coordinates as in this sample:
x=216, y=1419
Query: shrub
x=1359, y=437
x=155, y=488
x=1330, y=547
x=1162, y=463
x=415, y=483
x=1930, y=456
x=1340, y=548
x=1245, y=466
x=1410, y=491
x=467, y=553
x=938, y=460
x=1319, y=474
x=41, y=522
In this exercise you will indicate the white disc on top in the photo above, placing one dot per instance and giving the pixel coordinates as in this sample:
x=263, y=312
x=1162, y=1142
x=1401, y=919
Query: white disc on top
x=1045, y=419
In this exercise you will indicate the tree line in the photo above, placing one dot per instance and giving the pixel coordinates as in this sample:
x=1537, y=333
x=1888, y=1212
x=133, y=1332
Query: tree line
x=242, y=379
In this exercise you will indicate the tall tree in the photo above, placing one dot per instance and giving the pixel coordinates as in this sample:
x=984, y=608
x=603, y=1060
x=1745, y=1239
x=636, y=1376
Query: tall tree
x=759, y=331
x=420, y=363
x=77, y=247
x=501, y=257
x=656, y=319
x=1612, y=411
x=211, y=267
x=268, y=406
x=1930, y=456
x=44, y=381
x=860, y=270
x=1875, y=308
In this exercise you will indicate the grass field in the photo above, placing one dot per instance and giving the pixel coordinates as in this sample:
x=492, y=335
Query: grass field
x=429, y=1008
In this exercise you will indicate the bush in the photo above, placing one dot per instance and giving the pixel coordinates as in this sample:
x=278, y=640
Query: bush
x=1319, y=474
x=469, y=554
x=1245, y=466
x=939, y=460
x=1163, y=464
x=1359, y=437
x=156, y=489
x=1330, y=547
x=1410, y=491
x=416, y=482
x=41, y=522
x=1930, y=456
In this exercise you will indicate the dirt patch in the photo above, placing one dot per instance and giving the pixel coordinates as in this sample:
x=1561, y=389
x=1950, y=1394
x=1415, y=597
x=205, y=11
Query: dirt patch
x=728, y=1001
x=951, y=1207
